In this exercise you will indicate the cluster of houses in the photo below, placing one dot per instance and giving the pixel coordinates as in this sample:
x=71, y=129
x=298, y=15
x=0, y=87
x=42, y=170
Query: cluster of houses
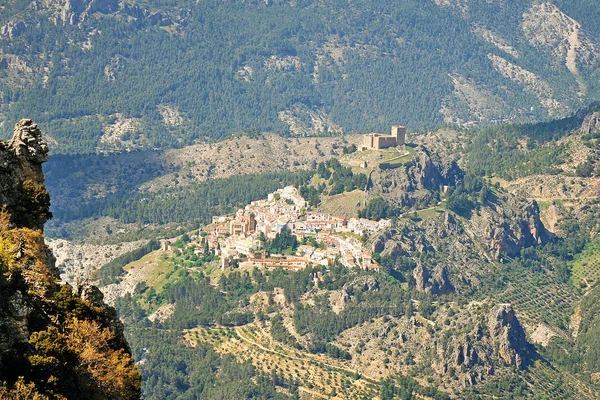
x=240, y=238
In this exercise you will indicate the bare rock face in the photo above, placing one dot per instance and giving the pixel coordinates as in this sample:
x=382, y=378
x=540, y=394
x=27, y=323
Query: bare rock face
x=431, y=172
x=31, y=296
x=27, y=143
x=591, y=123
x=12, y=29
x=507, y=230
x=71, y=12
x=494, y=343
x=421, y=275
x=441, y=282
x=95, y=297
x=427, y=173
x=436, y=283
x=22, y=188
x=508, y=334
x=340, y=298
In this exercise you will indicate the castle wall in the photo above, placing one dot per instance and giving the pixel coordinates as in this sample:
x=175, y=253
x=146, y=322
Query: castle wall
x=384, y=142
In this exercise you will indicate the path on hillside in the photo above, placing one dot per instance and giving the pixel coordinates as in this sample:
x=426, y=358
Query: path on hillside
x=590, y=197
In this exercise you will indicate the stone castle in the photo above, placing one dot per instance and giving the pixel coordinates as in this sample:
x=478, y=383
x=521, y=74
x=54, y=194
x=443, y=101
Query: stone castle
x=376, y=141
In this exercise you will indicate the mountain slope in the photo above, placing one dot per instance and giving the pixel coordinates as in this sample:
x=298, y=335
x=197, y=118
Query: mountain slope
x=122, y=75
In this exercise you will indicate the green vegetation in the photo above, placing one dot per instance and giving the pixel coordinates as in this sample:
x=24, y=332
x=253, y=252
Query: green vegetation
x=586, y=266
x=65, y=345
x=172, y=370
x=513, y=151
x=467, y=194
x=339, y=178
x=194, y=203
x=377, y=209
x=178, y=53
x=283, y=243
x=33, y=207
x=110, y=272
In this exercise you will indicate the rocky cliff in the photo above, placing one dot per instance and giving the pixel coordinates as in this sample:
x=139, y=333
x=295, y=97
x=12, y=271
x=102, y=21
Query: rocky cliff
x=56, y=342
x=22, y=188
x=493, y=342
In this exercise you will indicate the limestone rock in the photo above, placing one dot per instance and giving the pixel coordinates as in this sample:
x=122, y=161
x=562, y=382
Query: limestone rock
x=591, y=123
x=31, y=297
x=505, y=329
x=438, y=283
x=27, y=142
x=95, y=297
x=441, y=282
x=509, y=228
x=421, y=275
x=12, y=29
x=22, y=188
x=362, y=283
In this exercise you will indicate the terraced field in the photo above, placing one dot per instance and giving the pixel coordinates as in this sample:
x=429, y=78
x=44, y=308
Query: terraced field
x=550, y=383
x=586, y=266
x=317, y=375
x=538, y=300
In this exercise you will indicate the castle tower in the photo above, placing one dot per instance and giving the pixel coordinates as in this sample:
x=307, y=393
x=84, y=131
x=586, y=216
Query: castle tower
x=368, y=141
x=399, y=132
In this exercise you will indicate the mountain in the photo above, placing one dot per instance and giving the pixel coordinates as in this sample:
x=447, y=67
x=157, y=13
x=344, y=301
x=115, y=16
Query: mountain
x=109, y=75
x=57, y=341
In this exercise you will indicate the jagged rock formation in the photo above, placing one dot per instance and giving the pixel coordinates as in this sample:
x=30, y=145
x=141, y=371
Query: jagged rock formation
x=22, y=188
x=437, y=284
x=591, y=123
x=12, y=29
x=484, y=339
x=71, y=12
x=340, y=298
x=55, y=342
x=496, y=341
x=509, y=228
x=508, y=334
x=431, y=172
x=455, y=247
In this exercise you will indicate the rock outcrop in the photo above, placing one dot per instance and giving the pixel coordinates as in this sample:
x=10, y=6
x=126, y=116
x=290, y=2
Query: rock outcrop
x=438, y=283
x=58, y=341
x=12, y=29
x=430, y=172
x=72, y=12
x=497, y=341
x=591, y=123
x=508, y=335
x=509, y=228
x=22, y=189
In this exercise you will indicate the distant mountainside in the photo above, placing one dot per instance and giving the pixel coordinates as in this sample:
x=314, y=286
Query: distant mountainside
x=110, y=75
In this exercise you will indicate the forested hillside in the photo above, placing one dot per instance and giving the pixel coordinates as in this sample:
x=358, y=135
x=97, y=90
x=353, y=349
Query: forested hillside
x=104, y=76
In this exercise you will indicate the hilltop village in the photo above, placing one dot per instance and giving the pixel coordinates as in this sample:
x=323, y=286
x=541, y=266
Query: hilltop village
x=281, y=232
x=318, y=239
